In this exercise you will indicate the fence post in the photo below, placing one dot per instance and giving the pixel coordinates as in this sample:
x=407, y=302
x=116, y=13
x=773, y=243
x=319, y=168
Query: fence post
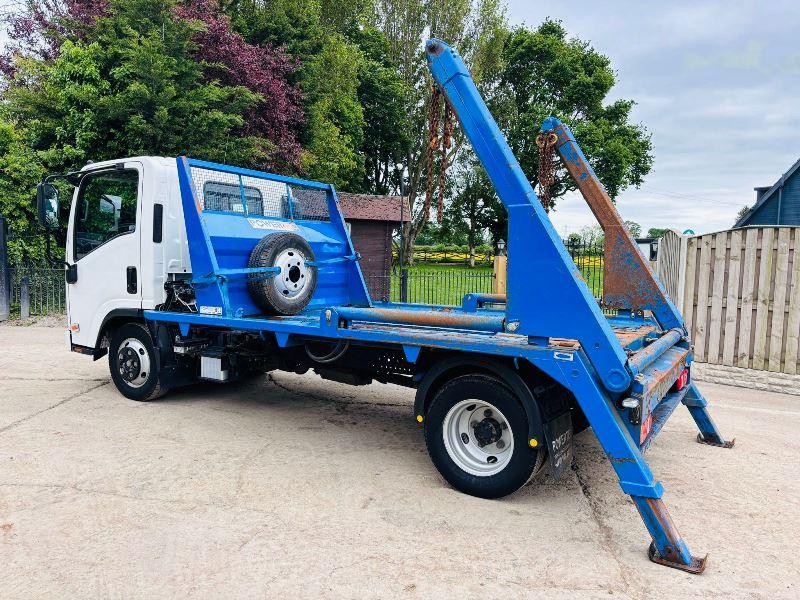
x=5, y=280
x=499, y=278
x=683, y=257
x=24, y=298
x=403, y=285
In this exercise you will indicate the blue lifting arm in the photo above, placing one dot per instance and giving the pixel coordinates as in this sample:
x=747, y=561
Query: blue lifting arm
x=547, y=296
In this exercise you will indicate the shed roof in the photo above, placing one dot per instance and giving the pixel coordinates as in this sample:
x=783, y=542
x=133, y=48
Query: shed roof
x=765, y=197
x=369, y=207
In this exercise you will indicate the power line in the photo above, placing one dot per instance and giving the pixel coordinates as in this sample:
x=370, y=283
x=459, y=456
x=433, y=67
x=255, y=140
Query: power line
x=694, y=198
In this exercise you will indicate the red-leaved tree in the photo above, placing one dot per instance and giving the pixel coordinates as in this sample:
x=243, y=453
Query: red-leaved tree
x=39, y=30
x=262, y=69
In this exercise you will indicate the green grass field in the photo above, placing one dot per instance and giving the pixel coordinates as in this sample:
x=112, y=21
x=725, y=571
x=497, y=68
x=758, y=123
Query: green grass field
x=442, y=284
x=447, y=284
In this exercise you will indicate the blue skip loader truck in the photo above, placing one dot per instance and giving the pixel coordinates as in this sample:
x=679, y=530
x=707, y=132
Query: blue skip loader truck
x=182, y=270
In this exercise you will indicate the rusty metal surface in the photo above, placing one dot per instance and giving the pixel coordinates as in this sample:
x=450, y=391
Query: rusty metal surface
x=627, y=336
x=628, y=282
x=697, y=566
x=426, y=318
x=649, y=354
x=654, y=383
x=701, y=439
x=630, y=335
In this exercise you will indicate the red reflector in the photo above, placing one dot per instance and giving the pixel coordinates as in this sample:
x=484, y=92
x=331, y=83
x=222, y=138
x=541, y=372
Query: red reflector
x=646, y=426
x=682, y=380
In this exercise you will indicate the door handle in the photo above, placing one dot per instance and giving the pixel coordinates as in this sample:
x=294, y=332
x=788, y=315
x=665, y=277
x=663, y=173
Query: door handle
x=132, y=280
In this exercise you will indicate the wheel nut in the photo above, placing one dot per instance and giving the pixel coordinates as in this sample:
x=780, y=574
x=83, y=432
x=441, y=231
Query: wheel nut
x=473, y=424
x=500, y=444
x=487, y=413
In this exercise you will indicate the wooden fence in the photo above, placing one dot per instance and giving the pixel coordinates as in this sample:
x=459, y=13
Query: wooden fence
x=739, y=291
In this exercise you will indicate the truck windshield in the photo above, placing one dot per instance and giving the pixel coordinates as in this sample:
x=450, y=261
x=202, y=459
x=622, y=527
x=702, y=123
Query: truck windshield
x=106, y=208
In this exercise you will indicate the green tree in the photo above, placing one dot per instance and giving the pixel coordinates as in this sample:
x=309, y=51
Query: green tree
x=472, y=26
x=384, y=99
x=574, y=240
x=340, y=82
x=467, y=209
x=656, y=232
x=634, y=228
x=21, y=170
x=335, y=117
x=131, y=87
x=544, y=73
x=742, y=213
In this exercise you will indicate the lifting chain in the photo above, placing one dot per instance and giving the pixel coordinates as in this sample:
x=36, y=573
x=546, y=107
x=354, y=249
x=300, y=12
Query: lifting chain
x=447, y=142
x=435, y=143
x=546, y=142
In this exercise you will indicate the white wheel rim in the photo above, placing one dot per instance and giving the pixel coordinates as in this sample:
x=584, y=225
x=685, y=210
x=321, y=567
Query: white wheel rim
x=133, y=362
x=294, y=275
x=479, y=442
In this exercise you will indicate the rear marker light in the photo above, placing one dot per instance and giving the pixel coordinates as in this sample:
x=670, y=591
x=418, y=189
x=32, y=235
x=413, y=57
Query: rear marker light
x=682, y=380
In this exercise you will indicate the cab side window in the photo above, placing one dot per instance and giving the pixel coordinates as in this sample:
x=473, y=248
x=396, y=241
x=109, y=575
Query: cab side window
x=106, y=208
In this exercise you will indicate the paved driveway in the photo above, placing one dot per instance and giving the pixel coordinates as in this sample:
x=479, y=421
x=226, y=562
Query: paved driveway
x=290, y=486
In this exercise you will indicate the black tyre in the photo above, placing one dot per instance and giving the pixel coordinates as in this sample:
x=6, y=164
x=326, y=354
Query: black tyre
x=132, y=362
x=476, y=431
x=290, y=291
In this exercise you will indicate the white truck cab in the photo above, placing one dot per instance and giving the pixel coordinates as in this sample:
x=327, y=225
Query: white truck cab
x=125, y=238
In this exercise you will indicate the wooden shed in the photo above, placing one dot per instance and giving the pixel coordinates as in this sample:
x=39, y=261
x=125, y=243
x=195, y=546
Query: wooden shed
x=373, y=221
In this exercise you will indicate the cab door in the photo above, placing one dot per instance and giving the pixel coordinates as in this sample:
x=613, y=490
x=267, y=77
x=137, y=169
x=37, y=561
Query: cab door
x=103, y=244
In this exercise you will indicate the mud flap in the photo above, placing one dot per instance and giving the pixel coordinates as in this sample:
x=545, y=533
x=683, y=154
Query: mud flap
x=558, y=433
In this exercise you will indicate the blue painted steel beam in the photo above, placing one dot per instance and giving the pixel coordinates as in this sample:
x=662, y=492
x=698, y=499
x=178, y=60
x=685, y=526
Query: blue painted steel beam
x=649, y=354
x=427, y=318
x=661, y=414
x=547, y=296
x=204, y=164
x=201, y=251
x=698, y=408
x=635, y=477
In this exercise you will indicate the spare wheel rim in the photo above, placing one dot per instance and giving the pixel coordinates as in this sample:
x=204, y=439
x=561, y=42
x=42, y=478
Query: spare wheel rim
x=294, y=275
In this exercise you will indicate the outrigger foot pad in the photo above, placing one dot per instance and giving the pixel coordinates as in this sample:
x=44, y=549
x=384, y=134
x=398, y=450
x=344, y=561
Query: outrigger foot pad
x=708, y=442
x=698, y=564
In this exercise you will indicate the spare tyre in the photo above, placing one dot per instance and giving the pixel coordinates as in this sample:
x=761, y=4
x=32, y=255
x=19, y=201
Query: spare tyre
x=289, y=291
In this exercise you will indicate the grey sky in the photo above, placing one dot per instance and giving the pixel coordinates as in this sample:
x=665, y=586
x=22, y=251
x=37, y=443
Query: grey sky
x=717, y=84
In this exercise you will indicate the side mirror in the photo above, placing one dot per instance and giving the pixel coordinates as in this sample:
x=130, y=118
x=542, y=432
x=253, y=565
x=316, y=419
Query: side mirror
x=47, y=205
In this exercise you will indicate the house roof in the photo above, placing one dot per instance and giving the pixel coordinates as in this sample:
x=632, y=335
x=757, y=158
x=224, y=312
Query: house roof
x=368, y=207
x=767, y=195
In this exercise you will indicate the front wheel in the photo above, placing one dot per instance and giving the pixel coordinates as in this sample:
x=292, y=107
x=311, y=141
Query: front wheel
x=132, y=362
x=476, y=431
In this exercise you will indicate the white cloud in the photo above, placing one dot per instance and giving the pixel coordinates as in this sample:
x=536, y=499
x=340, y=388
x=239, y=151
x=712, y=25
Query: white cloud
x=716, y=85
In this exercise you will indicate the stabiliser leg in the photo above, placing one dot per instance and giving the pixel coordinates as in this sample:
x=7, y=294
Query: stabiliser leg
x=698, y=408
x=667, y=547
x=635, y=477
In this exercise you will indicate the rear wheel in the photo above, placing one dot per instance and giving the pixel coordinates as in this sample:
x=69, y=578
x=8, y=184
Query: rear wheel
x=132, y=362
x=476, y=431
